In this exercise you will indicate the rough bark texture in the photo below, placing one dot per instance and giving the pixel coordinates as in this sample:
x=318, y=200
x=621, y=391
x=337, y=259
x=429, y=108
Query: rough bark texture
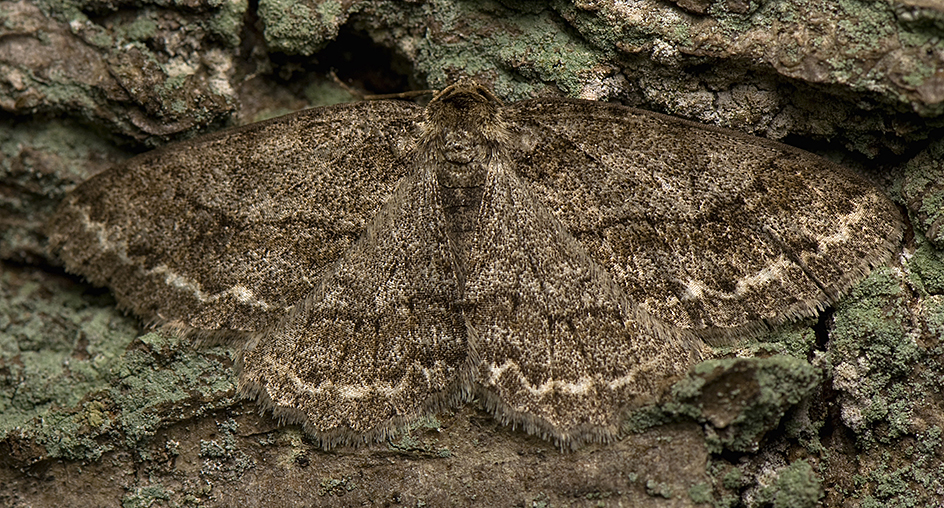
x=844, y=411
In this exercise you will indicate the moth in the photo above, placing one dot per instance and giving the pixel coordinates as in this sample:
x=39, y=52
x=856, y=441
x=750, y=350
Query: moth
x=559, y=260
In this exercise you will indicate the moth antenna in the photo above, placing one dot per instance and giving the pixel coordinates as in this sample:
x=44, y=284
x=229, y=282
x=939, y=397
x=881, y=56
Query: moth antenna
x=411, y=94
x=361, y=96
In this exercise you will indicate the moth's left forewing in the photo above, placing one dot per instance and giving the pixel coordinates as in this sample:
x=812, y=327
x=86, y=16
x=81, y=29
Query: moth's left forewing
x=709, y=229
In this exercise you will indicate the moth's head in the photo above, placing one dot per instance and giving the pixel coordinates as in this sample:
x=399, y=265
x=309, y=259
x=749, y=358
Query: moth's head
x=465, y=105
x=462, y=115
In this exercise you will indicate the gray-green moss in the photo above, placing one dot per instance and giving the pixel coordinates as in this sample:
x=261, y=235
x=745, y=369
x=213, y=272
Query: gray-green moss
x=39, y=161
x=926, y=268
x=700, y=493
x=57, y=347
x=301, y=26
x=921, y=188
x=796, y=486
x=831, y=54
x=76, y=372
x=536, y=45
x=910, y=475
x=222, y=457
x=740, y=399
x=872, y=354
x=144, y=497
x=886, y=352
x=227, y=22
x=114, y=70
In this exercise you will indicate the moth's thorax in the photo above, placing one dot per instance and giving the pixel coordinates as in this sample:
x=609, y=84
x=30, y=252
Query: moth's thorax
x=461, y=147
x=463, y=134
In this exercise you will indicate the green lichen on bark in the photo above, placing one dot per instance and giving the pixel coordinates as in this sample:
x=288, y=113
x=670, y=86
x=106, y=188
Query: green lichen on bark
x=301, y=26
x=739, y=399
x=78, y=381
x=887, y=361
x=796, y=486
x=872, y=355
x=859, y=45
x=40, y=160
x=921, y=187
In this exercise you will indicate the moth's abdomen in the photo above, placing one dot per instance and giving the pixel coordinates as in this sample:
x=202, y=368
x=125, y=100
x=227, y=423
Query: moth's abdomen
x=460, y=189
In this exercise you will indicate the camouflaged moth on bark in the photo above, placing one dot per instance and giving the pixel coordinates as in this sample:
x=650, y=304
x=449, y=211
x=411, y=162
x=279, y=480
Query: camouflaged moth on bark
x=560, y=260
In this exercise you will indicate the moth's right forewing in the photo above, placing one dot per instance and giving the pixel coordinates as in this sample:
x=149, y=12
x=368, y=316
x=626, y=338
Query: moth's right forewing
x=229, y=230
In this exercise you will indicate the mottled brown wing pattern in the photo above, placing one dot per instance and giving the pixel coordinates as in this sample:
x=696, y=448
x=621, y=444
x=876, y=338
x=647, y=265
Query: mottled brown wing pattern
x=718, y=240
x=381, y=340
x=227, y=231
x=560, y=347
